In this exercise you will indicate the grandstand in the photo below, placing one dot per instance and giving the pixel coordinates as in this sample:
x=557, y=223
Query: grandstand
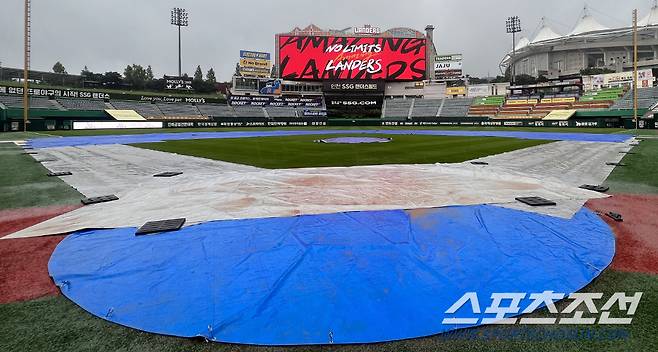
x=455, y=107
x=216, y=110
x=11, y=101
x=249, y=111
x=423, y=108
x=646, y=97
x=397, y=108
x=486, y=106
x=426, y=107
x=147, y=110
x=183, y=111
x=82, y=104
x=277, y=112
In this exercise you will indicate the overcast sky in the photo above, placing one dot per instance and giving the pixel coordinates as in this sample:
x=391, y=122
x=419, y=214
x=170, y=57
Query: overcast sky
x=108, y=35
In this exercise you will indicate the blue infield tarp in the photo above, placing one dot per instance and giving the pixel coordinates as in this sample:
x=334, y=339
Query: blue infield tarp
x=160, y=137
x=341, y=278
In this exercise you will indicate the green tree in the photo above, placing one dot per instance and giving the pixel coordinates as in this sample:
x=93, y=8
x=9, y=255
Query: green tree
x=59, y=68
x=198, y=74
x=500, y=79
x=135, y=76
x=210, y=76
x=149, y=74
x=111, y=79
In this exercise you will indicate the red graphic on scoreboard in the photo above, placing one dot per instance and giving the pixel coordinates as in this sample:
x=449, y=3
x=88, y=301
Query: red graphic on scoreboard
x=352, y=58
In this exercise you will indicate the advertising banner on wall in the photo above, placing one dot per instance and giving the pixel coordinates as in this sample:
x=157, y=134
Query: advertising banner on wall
x=351, y=58
x=645, y=79
x=451, y=91
x=255, y=64
x=178, y=83
x=479, y=90
x=57, y=93
x=245, y=100
x=353, y=87
x=357, y=101
x=448, y=67
x=246, y=54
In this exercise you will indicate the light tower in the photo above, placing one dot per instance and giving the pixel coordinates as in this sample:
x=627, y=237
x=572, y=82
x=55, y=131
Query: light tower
x=26, y=64
x=513, y=27
x=179, y=19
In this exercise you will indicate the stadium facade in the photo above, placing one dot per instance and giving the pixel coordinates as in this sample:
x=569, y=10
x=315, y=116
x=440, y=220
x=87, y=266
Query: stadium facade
x=589, y=45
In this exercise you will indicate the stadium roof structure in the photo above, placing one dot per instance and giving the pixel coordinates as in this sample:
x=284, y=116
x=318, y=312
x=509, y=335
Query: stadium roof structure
x=545, y=33
x=587, y=29
x=396, y=32
x=651, y=19
x=523, y=42
x=587, y=24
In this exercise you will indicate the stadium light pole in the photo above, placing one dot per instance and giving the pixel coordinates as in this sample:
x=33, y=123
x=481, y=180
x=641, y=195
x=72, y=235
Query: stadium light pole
x=513, y=26
x=179, y=19
x=637, y=122
x=26, y=65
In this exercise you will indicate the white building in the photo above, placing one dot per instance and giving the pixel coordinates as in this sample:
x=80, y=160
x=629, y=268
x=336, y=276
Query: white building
x=589, y=45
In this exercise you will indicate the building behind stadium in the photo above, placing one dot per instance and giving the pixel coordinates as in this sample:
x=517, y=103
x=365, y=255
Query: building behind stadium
x=589, y=45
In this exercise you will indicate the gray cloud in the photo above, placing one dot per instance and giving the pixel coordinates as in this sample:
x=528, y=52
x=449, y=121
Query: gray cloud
x=108, y=35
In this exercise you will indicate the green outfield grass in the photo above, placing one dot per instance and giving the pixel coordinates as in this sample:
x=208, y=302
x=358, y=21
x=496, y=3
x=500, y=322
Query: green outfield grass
x=640, y=175
x=23, y=182
x=302, y=151
x=56, y=324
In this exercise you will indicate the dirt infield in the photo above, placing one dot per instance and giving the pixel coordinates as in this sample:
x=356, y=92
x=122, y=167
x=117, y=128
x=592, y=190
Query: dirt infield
x=24, y=268
x=13, y=220
x=637, y=239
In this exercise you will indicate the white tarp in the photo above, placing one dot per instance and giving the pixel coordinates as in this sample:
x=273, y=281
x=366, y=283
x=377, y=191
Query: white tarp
x=212, y=190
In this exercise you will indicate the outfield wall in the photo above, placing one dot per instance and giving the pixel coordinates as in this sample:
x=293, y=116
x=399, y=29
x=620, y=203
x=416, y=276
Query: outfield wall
x=49, y=119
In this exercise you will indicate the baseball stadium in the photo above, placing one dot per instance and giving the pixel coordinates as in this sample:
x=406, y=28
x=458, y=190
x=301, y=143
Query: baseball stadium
x=353, y=189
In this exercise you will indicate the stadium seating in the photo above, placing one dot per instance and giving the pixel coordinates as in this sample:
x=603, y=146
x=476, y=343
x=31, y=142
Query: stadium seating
x=174, y=111
x=517, y=108
x=457, y=107
x=275, y=112
x=12, y=101
x=249, y=111
x=426, y=107
x=606, y=94
x=486, y=106
x=646, y=97
x=397, y=108
x=216, y=110
x=146, y=109
x=82, y=104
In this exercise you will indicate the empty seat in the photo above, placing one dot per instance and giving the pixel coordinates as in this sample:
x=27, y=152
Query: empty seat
x=13, y=101
x=426, y=107
x=397, y=108
x=81, y=104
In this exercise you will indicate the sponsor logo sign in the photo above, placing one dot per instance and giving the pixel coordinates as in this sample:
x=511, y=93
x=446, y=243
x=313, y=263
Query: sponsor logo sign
x=178, y=83
x=245, y=100
x=367, y=29
x=353, y=87
x=246, y=54
x=455, y=91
